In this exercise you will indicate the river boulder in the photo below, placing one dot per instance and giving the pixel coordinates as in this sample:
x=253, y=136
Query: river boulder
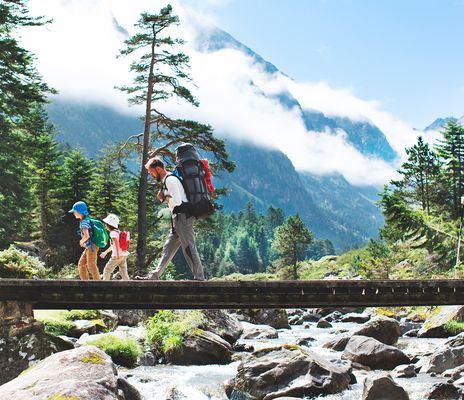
x=374, y=354
x=223, y=324
x=435, y=324
x=277, y=318
x=201, y=348
x=443, y=390
x=385, y=330
x=288, y=371
x=253, y=331
x=85, y=373
x=448, y=356
x=381, y=386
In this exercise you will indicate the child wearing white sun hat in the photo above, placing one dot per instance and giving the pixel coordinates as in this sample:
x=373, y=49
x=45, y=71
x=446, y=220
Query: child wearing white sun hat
x=118, y=255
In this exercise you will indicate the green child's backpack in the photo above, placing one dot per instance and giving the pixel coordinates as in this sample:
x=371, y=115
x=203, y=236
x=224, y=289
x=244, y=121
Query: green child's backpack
x=100, y=234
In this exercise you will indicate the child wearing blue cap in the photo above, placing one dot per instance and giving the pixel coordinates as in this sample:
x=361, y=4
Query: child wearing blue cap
x=88, y=260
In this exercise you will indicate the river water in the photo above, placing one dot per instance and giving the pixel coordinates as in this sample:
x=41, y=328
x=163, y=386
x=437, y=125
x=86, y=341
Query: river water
x=171, y=382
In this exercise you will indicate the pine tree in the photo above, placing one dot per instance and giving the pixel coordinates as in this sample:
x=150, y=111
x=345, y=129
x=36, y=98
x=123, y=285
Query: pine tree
x=451, y=151
x=21, y=88
x=44, y=166
x=107, y=185
x=420, y=173
x=160, y=75
x=292, y=240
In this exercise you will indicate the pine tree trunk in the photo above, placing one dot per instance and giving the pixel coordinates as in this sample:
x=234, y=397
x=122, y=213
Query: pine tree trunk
x=143, y=181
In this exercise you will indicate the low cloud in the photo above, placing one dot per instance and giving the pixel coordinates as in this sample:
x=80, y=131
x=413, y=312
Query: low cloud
x=76, y=55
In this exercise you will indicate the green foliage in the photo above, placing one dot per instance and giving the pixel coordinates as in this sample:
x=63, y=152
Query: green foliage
x=292, y=241
x=57, y=326
x=166, y=329
x=454, y=327
x=18, y=264
x=123, y=351
x=75, y=315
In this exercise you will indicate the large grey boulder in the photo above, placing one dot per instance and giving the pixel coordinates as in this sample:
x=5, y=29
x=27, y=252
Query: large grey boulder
x=435, y=325
x=443, y=391
x=381, y=386
x=288, y=371
x=277, y=318
x=385, y=330
x=374, y=354
x=223, y=324
x=201, y=348
x=85, y=373
x=450, y=355
x=133, y=317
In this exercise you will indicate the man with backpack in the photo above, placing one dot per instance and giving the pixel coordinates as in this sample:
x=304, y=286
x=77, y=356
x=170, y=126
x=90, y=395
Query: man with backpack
x=182, y=235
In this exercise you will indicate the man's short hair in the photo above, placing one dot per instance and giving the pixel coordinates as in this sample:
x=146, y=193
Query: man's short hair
x=154, y=162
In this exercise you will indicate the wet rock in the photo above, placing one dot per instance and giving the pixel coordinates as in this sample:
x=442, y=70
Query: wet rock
x=385, y=330
x=407, y=326
x=311, y=317
x=338, y=343
x=85, y=373
x=411, y=333
x=455, y=373
x=147, y=359
x=128, y=390
x=201, y=348
x=289, y=371
x=434, y=326
x=133, y=317
x=328, y=310
x=443, y=359
x=334, y=316
x=369, y=351
x=229, y=387
x=404, y=371
x=277, y=318
x=323, y=323
x=295, y=320
x=252, y=331
x=446, y=391
x=223, y=324
x=82, y=326
x=382, y=386
x=357, y=318
x=243, y=347
x=306, y=341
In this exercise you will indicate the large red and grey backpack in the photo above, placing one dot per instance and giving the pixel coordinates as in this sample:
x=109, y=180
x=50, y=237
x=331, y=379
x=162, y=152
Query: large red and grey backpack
x=195, y=176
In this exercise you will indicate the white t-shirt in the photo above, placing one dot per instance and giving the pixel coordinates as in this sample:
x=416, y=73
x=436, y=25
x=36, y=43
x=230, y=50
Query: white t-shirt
x=174, y=189
x=115, y=235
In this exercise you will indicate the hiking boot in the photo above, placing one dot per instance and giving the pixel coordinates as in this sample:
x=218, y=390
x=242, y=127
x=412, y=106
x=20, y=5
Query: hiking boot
x=150, y=277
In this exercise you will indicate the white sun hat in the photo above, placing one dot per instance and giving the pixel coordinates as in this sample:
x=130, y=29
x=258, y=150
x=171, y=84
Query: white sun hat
x=112, y=220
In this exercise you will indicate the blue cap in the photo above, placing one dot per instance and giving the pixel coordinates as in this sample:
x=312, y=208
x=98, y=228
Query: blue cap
x=80, y=207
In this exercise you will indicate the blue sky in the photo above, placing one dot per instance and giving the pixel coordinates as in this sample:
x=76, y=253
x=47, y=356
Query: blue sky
x=407, y=54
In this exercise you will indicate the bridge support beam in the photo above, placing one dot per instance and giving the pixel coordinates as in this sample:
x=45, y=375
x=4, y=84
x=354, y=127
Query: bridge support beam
x=16, y=317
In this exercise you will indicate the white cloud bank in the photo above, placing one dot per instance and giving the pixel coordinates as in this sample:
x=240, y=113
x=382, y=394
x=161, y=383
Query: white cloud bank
x=76, y=55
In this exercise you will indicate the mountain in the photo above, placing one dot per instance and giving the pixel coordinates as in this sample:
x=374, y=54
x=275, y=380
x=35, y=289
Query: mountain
x=330, y=206
x=439, y=123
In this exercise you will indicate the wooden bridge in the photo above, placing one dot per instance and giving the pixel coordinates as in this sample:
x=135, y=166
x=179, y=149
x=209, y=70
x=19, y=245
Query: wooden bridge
x=73, y=294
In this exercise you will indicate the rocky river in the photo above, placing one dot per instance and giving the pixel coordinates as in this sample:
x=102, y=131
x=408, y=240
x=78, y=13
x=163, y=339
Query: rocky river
x=269, y=354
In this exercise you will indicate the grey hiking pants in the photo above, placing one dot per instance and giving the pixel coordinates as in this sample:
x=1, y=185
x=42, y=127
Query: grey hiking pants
x=182, y=235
